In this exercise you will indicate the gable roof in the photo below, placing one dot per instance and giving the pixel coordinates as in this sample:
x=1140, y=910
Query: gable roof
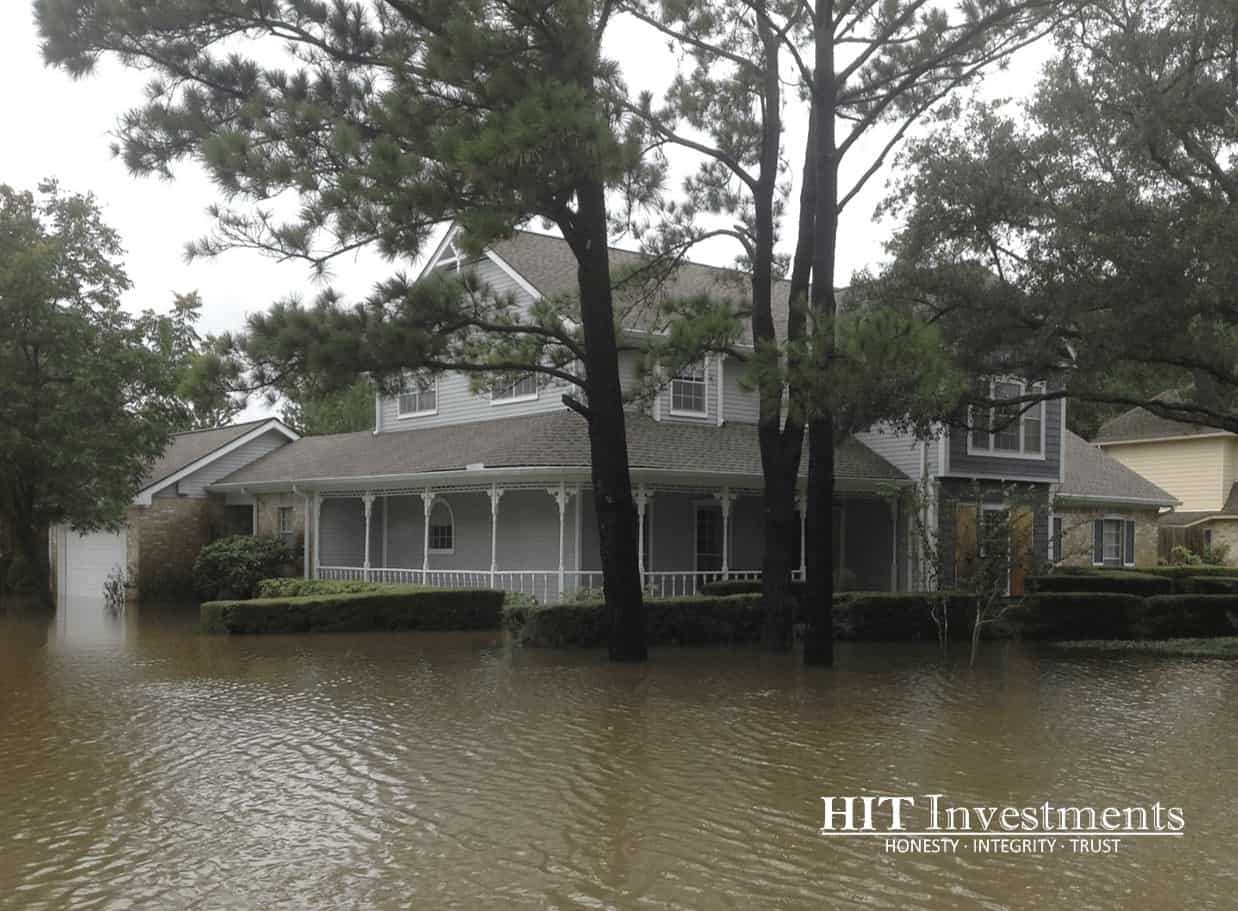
x=556, y=440
x=547, y=263
x=197, y=448
x=1090, y=473
x=1140, y=424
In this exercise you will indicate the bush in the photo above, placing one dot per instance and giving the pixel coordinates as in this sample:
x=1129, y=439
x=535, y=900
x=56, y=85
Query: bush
x=1125, y=583
x=698, y=620
x=901, y=617
x=232, y=567
x=295, y=588
x=395, y=608
x=1210, y=585
x=1079, y=615
x=743, y=587
x=1186, y=616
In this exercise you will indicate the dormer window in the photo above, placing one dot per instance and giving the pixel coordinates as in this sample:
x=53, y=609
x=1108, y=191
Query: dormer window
x=689, y=391
x=1015, y=430
x=523, y=390
x=420, y=397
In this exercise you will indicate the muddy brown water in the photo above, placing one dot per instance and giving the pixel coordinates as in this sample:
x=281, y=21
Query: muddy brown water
x=143, y=765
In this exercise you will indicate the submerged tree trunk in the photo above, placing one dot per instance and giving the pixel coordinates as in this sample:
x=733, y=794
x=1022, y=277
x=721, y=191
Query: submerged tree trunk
x=29, y=571
x=819, y=646
x=608, y=445
x=819, y=594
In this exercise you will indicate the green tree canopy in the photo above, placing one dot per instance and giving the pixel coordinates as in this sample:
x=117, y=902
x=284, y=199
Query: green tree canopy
x=88, y=392
x=1092, y=234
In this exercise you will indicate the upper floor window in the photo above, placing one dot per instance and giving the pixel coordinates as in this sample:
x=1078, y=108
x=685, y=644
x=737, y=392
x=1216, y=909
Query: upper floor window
x=1016, y=429
x=523, y=389
x=419, y=397
x=689, y=390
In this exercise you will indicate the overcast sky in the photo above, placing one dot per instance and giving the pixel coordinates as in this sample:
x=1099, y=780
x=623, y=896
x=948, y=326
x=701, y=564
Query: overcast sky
x=60, y=128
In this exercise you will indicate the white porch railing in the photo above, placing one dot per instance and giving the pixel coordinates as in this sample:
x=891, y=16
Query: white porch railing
x=540, y=584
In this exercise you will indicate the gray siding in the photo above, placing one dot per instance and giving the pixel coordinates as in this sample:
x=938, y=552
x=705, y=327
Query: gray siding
x=195, y=484
x=740, y=405
x=457, y=404
x=960, y=464
x=900, y=449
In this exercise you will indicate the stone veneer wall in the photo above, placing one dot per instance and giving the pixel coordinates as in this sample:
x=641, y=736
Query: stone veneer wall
x=1225, y=531
x=268, y=519
x=1077, y=534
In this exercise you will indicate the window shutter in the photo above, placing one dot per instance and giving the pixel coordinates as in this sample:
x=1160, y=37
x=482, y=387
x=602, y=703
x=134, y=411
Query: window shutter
x=1128, y=542
x=1098, y=542
x=1056, y=542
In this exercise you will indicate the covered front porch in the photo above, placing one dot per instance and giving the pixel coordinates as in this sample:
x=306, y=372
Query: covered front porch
x=540, y=538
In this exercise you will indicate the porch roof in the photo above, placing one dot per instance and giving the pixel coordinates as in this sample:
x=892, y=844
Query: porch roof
x=558, y=440
x=1091, y=474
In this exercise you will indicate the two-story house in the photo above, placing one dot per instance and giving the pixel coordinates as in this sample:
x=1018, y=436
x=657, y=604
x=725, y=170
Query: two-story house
x=456, y=487
x=1197, y=465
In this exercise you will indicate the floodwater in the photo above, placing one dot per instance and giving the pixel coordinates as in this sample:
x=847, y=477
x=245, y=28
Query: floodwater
x=143, y=765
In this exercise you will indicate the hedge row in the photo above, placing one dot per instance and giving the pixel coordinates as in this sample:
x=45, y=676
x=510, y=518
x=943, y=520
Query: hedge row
x=1103, y=615
x=396, y=608
x=1116, y=582
x=736, y=619
x=296, y=588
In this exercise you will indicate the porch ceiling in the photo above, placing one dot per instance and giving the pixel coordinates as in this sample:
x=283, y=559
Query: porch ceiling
x=534, y=449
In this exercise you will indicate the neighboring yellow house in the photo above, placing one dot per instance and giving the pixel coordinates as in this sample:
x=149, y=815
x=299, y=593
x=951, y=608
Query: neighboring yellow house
x=1197, y=465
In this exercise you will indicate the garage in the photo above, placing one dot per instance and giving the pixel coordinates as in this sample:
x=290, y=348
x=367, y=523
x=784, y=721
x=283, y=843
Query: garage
x=88, y=559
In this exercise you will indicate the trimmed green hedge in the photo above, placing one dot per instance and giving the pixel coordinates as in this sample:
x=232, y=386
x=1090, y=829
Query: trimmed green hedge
x=1101, y=615
x=699, y=620
x=1123, y=583
x=1186, y=616
x=398, y=608
x=736, y=619
x=743, y=587
x=296, y=588
x=1210, y=585
x=1078, y=615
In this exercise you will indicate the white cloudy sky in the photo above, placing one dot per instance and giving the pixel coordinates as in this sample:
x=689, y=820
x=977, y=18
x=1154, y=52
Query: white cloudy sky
x=60, y=128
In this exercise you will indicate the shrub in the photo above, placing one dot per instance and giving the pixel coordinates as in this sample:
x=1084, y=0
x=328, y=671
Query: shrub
x=1079, y=615
x=698, y=620
x=900, y=617
x=295, y=588
x=1125, y=583
x=743, y=587
x=1186, y=616
x=232, y=567
x=1210, y=585
x=395, y=608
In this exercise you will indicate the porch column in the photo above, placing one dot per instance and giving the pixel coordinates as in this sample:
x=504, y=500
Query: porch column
x=427, y=506
x=642, y=503
x=305, y=543
x=368, y=501
x=801, y=505
x=561, y=495
x=386, y=506
x=317, y=534
x=496, y=493
x=894, y=544
x=725, y=499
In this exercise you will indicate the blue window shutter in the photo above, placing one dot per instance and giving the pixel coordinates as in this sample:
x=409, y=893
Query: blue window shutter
x=1098, y=542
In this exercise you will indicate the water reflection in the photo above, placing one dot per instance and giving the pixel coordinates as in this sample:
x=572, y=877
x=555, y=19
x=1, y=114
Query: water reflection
x=146, y=765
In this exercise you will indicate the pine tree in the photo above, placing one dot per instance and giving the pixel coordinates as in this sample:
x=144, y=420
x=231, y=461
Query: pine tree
x=383, y=120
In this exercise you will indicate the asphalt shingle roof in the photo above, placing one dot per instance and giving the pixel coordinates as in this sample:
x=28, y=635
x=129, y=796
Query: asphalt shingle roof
x=555, y=440
x=548, y=264
x=1140, y=424
x=186, y=448
x=1090, y=472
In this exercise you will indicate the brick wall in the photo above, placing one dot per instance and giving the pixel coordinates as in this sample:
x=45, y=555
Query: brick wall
x=165, y=537
x=1077, y=534
x=269, y=505
x=1225, y=532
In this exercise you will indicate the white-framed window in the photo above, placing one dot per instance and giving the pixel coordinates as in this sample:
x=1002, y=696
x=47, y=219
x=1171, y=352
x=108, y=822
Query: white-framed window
x=442, y=528
x=1012, y=431
x=418, y=397
x=284, y=526
x=522, y=390
x=1113, y=542
x=690, y=391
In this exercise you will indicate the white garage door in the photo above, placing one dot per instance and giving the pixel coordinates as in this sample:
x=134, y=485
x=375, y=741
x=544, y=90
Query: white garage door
x=89, y=559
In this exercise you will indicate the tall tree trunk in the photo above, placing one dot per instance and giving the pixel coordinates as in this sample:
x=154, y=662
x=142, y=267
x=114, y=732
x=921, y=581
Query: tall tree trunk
x=29, y=548
x=608, y=444
x=819, y=594
x=819, y=646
